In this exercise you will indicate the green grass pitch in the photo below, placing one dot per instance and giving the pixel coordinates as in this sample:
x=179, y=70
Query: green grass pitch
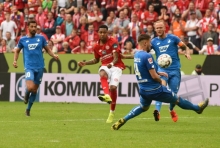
x=73, y=125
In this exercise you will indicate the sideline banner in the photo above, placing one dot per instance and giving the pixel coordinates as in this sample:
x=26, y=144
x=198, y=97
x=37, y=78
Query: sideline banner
x=4, y=86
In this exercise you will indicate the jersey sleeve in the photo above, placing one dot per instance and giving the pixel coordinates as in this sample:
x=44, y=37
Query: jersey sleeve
x=149, y=61
x=176, y=39
x=115, y=47
x=20, y=45
x=96, y=54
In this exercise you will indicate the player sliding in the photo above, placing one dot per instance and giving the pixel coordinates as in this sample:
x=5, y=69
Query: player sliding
x=108, y=51
x=150, y=85
x=32, y=46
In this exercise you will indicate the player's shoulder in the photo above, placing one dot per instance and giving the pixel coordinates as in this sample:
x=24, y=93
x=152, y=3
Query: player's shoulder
x=112, y=40
x=172, y=36
x=23, y=38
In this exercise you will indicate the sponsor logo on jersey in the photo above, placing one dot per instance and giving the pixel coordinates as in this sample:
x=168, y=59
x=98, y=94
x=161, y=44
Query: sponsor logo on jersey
x=32, y=46
x=163, y=48
x=115, y=45
x=103, y=52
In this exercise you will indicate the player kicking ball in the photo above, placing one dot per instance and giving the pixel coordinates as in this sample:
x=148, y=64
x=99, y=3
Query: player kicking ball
x=32, y=46
x=150, y=85
x=108, y=51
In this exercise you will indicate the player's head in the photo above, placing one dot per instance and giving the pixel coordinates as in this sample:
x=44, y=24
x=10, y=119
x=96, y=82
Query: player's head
x=103, y=32
x=32, y=27
x=144, y=41
x=160, y=28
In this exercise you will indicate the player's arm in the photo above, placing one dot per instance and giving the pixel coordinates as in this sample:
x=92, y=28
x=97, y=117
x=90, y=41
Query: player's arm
x=50, y=52
x=90, y=62
x=186, y=48
x=115, y=59
x=127, y=56
x=155, y=76
x=16, y=55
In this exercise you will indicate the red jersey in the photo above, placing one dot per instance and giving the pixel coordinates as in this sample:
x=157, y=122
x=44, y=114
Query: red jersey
x=105, y=52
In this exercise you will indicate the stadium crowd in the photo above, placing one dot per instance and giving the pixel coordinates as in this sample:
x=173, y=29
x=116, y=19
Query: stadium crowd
x=70, y=26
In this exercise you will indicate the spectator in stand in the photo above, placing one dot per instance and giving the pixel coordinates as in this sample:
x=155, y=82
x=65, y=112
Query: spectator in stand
x=211, y=7
x=40, y=17
x=191, y=29
x=33, y=6
x=198, y=70
x=60, y=17
x=83, y=12
x=7, y=6
x=156, y=4
x=170, y=4
x=191, y=9
x=47, y=6
x=176, y=12
x=83, y=26
x=128, y=48
x=209, y=34
x=23, y=33
x=135, y=27
x=18, y=18
x=121, y=22
x=2, y=14
x=58, y=38
x=73, y=40
x=122, y=4
x=116, y=34
x=10, y=42
x=190, y=45
x=137, y=11
x=81, y=49
x=149, y=16
x=55, y=9
x=141, y=3
x=109, y=23
x=178, y=26
x=111, y=5
x=20, y=4
x=209, y=48
x=90, y=37
x=95, y=17
x=8, y=26
x=26, y=15
x=126, y=38
x=103, y=10
x=70, y=5
x=68, y=25
x=52, y=47
x=182, y=5
x=113, y=16
x=150, y=31
x=202, y=5
x=61, y=4
x=165, y=17
x=49, y=26
x=127, y=13
x=3, y=47
x=76, y=17
x=205, y=21
x=38, y=31
x=65, y=48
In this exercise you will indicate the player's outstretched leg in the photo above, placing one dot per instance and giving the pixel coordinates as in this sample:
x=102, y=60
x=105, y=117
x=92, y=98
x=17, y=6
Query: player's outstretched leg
x=30, y=103
x=26, y=97
x=174, y=115
x=133, y=113
x=106, y=97
x=157, y=110
x=113, y=94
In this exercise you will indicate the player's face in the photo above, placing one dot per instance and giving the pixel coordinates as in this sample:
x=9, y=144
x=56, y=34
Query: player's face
x=32, y=28
x=160, y=29
x=103, y=34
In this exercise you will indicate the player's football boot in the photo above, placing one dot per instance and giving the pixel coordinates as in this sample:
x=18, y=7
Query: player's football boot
x=27, y=113
x=110, y=117
x=26, y=98
x=174, y=116
x=105, y=98
x=203, y=105
x=118, y=124
x=156, y=115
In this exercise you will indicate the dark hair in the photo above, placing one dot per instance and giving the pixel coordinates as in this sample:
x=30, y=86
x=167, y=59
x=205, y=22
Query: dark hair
x=143, y=37
x=103, y=26
x=32, y=22
x=198, y=66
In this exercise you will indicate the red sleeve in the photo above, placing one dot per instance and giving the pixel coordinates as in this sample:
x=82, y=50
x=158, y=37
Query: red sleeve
x=115, y=46
x=76, y=41
x=67, y=39
x=96, y=55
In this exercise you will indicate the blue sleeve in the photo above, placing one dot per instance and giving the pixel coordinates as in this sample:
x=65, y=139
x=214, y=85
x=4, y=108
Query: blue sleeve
x=20, y=45
x=44, y=42
x=149, y=61
x=176, y=39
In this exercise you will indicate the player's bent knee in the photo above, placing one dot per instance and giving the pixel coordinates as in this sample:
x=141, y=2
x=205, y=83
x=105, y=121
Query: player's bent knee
x=145, y=108
x=112, y=87
x=102, y=73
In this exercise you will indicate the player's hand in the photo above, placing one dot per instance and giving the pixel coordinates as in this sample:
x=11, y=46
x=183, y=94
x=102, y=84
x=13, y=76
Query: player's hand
x=162, y=74
x=15, y=64
x=81, y=64
x=56, y=57
x=188, y=56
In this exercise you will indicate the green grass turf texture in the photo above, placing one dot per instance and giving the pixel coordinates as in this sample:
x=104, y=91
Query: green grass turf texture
x=73, y=125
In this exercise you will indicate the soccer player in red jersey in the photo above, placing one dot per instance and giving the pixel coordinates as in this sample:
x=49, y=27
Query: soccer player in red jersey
x=108, y=51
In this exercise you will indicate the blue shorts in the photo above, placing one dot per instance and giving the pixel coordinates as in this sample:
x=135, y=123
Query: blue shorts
x=162, y=94
x=34, y=75
x=173, y=80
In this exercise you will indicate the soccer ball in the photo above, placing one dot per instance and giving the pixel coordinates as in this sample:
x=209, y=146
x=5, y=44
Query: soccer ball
x=164, y=60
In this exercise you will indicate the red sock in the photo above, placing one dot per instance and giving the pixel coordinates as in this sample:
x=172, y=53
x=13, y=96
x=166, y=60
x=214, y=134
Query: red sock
x=113, y=94
x=104, y=83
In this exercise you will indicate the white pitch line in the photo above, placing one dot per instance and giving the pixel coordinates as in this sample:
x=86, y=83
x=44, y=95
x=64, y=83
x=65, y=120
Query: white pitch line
x=83, y=120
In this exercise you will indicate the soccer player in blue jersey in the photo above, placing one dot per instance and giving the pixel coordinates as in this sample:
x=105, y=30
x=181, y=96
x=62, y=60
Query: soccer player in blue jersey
x=168, y=44
x=32, y=46
x=150, y=85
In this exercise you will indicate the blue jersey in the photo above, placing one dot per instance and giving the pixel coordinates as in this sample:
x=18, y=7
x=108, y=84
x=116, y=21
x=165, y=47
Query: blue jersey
x=32, y=51
x=143, y=62
x=168, y=45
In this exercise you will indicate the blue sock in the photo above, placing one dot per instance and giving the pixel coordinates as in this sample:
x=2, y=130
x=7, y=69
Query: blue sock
x=134, y=112
x=172, y=106
x=185, y=104
x=31, y=101
x=27, y=92
x=158, y=105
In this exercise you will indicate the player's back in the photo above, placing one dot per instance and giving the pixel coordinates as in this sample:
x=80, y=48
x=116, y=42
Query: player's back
x=143, y=62
x=168, y=45
x=32, y=51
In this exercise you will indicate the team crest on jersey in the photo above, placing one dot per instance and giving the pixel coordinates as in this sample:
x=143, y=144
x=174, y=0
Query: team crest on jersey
x=38, y=40
x=107, y=47
x=32, y=46
x=115, y=45
x=163, y=48
x=103, y=52
x=150, y=60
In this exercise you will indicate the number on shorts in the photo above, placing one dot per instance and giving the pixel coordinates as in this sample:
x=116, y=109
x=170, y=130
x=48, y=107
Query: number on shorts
x=28, y=74
x=136, y=70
